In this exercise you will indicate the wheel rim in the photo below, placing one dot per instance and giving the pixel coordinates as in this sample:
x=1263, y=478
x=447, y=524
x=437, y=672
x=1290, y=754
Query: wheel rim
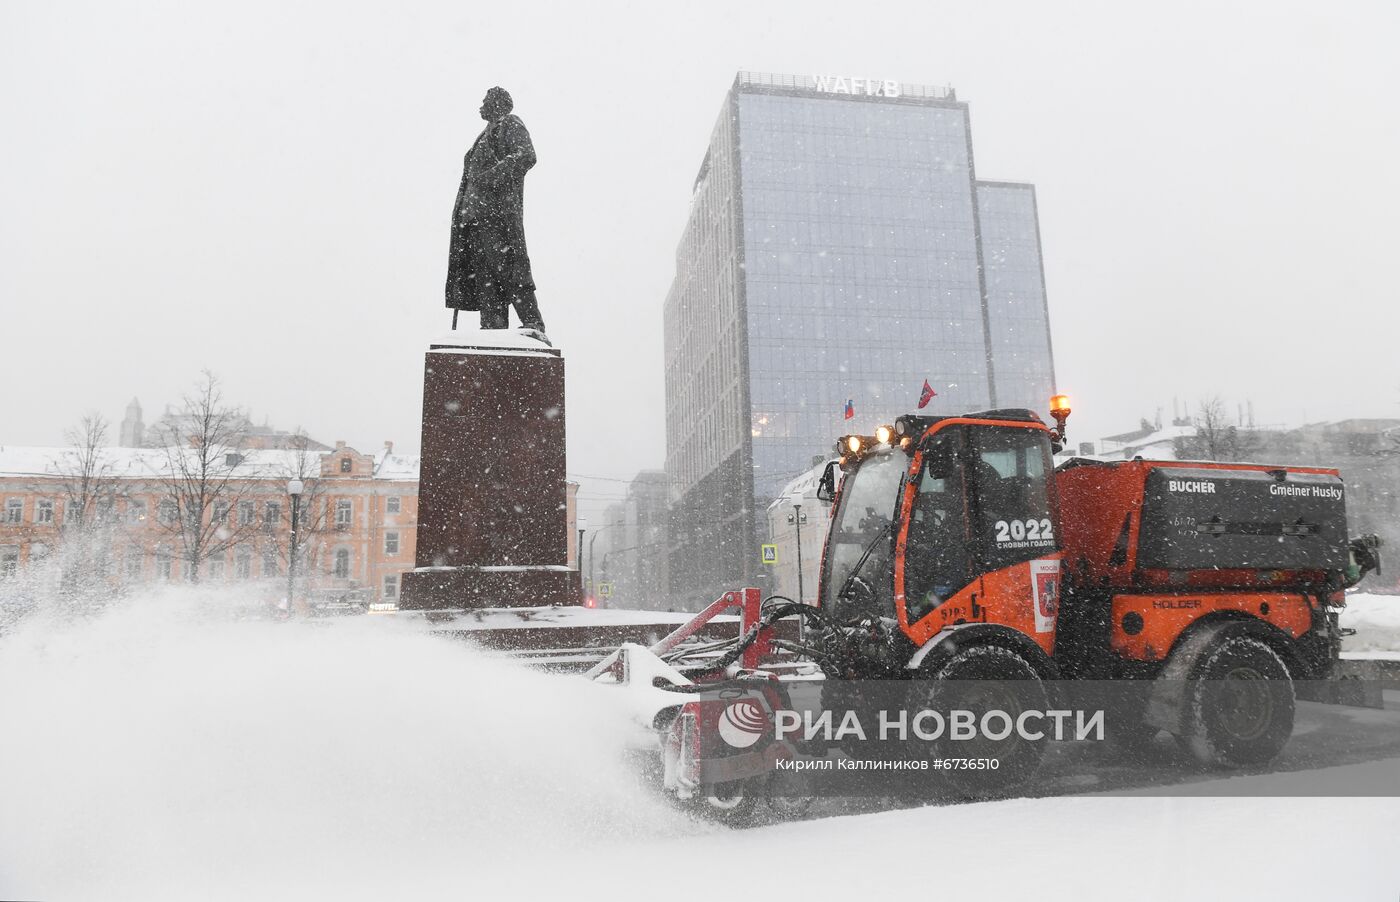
x=726, y=796
x=1244, y=703
x=989, y=698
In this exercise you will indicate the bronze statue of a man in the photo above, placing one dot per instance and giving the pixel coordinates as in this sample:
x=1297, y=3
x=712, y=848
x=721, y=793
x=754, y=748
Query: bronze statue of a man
x=488, y=268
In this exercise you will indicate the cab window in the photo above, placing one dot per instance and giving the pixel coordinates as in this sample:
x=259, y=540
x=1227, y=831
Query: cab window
x=1009, y=475
x=863, y=527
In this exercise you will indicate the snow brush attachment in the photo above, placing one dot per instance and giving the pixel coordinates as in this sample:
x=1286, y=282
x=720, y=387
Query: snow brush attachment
x=862, y=648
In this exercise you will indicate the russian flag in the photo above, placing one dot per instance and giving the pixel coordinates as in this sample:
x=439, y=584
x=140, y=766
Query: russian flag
x=850, y=409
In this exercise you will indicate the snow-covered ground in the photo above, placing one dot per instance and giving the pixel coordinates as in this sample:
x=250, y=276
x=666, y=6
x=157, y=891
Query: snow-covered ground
x=1044, y=849
x=161, y=750
x=1376, y=619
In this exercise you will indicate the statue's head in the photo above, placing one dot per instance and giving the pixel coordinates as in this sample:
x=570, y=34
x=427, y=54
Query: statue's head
x=496, y=104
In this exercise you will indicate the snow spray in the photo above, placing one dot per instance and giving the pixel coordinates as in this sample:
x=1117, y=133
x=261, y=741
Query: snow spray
x=158, y=746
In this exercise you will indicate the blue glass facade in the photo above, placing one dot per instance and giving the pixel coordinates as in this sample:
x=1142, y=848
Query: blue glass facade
x=861, y=270
x=837, y=249
x=1016, y=311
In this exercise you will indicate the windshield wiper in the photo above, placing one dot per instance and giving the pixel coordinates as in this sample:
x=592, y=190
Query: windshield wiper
x=860, y=562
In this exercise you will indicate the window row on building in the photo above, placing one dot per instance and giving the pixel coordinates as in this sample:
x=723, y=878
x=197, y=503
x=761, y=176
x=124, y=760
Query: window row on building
x=44, y=511
x=164, y=563
x=357, y=520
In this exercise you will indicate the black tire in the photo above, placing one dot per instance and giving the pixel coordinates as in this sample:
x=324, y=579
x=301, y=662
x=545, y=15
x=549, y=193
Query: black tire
x=984, y=677
x=1130, y=737
x=1238, y=704
x=787, y=808
x=727, y=803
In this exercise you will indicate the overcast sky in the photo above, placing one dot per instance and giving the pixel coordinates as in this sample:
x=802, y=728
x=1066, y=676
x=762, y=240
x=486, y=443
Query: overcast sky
x=264, y=190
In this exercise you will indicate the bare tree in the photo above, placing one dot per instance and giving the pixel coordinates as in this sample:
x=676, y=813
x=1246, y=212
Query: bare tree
x=90, y=489
x=1216, y=438
x=89, y=483
x=206, y=492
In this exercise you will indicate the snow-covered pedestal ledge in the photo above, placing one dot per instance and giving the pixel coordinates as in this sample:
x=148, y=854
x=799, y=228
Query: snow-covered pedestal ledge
x=490, y=340
x=492, y=528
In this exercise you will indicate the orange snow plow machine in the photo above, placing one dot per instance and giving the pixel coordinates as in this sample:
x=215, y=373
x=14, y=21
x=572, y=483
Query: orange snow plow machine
x=958, y=551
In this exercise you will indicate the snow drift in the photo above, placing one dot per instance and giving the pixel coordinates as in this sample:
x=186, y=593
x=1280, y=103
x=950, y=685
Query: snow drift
x=162, y=749
x=1376, y=619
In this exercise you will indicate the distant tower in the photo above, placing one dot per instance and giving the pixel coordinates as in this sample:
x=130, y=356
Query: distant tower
x=133, y=431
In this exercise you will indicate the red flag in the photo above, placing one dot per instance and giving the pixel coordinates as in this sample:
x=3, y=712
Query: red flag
x=926, y=395
x=850, y=409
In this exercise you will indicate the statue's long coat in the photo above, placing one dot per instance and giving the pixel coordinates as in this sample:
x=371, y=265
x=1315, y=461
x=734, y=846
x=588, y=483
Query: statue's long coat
x=487, y=253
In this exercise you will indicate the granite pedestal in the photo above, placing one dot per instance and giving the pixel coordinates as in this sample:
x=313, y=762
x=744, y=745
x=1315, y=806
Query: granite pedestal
x=492, y=518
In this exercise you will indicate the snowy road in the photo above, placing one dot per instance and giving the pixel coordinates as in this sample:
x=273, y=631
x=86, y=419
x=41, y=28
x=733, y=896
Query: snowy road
x=1324, y=737
x=161, y=752
x=1335, y=751
x=1080, y=849
x=1132, y=843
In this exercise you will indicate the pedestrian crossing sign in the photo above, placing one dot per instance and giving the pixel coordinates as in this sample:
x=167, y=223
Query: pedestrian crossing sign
x=770, y=554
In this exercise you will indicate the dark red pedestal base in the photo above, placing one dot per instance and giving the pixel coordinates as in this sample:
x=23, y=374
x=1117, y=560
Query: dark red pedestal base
x=492, y=518
x=452, y=588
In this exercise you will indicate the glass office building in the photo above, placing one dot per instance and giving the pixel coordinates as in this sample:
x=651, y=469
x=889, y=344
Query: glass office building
x=839, y=249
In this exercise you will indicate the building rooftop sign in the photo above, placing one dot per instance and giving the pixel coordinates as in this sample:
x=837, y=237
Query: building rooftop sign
x=871, y=87
x=847, y=84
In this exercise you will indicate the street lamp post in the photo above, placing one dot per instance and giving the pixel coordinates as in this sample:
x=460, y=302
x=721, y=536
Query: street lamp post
x=592, y=559
x=798, y=518
x=578, y=556
x=294, y=488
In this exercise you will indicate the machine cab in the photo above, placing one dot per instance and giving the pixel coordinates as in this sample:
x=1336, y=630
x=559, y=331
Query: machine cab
x=923, y=516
